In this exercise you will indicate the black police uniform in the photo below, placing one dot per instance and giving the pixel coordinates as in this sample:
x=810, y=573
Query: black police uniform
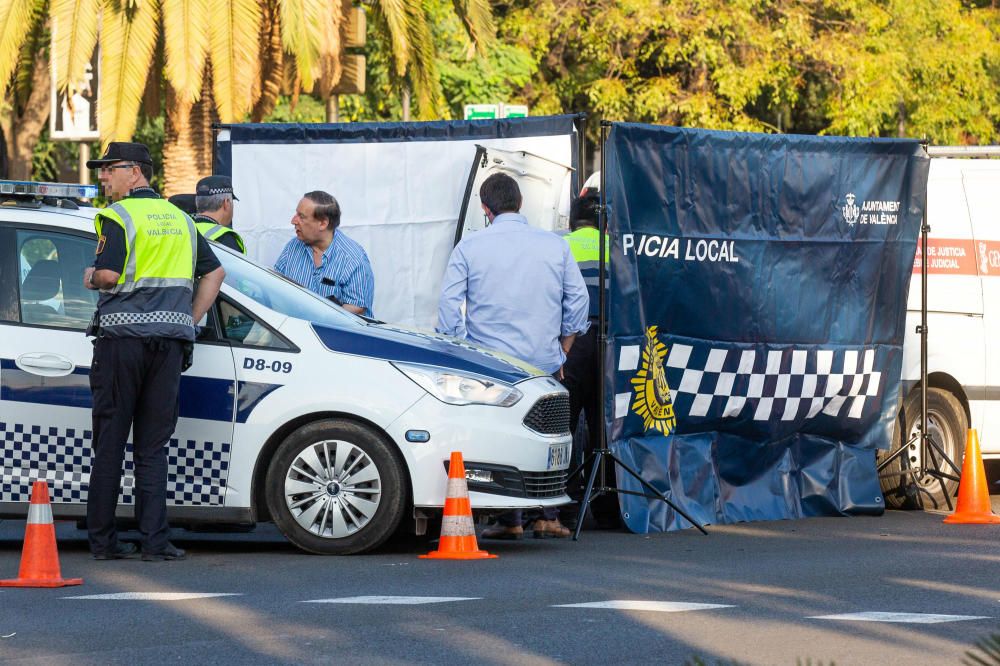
x=135, y=384
x=227, y=239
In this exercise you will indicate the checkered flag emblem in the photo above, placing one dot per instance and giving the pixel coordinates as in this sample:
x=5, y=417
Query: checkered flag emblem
x=785, y=385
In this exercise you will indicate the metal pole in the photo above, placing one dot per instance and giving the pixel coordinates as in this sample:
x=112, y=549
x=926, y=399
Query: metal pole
x=333, y=109
x=924, y=436
x=84, y=156
x=602, y=316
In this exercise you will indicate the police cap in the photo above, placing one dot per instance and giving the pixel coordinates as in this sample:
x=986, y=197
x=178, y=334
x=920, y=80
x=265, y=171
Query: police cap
x=211, y=185
x=121, y=151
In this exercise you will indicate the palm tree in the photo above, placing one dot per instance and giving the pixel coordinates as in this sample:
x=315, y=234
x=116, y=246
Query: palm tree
x=403, y=27
x=221, y=60
x=24, y=81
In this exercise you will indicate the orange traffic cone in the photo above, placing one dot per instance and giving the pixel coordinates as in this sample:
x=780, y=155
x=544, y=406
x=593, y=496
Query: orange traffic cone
x=973, y=493
x=39, y=559
x=458, y=534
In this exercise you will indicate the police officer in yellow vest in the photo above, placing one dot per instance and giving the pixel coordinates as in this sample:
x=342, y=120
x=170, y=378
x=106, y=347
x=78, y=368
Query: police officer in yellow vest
x=580, y=372
x=148, y=258
x=214, y=200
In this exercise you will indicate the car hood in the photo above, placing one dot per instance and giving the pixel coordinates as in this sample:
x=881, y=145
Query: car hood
x=392, y=343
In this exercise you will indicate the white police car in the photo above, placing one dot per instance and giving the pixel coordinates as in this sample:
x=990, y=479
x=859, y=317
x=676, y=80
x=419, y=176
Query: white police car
x=295, y=411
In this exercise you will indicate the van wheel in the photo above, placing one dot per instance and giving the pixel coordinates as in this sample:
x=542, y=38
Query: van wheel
x=336, y=488
x=947, y=425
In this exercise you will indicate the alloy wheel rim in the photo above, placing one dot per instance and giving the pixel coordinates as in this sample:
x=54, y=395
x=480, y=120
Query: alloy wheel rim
x=332, y=489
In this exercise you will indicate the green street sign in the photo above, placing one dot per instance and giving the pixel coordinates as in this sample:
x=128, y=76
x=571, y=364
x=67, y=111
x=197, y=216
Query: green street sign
x=515, y=110
x=482, y=111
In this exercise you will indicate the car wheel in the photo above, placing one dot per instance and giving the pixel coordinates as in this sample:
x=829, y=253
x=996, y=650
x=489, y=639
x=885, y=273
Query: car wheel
x=336, y=488
x=947, y=425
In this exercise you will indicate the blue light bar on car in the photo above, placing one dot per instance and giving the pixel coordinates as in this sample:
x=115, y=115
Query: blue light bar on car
x=27, y=188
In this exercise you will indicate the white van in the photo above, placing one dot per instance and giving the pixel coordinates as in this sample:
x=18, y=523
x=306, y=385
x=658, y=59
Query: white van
x=963, y=321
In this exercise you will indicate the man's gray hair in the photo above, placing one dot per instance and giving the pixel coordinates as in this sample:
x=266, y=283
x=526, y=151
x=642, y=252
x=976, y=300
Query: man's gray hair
x=211, y=202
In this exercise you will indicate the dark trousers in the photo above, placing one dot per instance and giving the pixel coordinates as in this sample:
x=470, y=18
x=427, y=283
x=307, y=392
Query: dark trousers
x=580, y=377
x=135, y=384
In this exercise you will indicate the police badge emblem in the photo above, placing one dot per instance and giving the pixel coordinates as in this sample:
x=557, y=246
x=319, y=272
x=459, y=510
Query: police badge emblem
x=652, y=393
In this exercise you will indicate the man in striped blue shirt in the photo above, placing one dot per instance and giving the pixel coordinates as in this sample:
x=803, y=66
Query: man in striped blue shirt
x=324, y=260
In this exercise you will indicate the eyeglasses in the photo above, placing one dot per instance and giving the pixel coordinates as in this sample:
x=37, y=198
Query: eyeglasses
x=108, y=169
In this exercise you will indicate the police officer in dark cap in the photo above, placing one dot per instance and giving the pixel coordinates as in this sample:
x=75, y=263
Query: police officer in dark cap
x=185, y=202
x=149, y=255
x=214, y=201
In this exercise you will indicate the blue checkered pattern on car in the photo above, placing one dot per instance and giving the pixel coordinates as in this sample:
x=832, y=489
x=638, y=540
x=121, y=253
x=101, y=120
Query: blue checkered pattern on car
x=196, y=471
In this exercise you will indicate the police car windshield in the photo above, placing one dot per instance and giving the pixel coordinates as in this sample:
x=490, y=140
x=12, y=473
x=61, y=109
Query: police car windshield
x=277, y=292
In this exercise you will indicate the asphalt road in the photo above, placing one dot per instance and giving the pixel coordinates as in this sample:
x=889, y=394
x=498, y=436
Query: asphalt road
x=765, y=585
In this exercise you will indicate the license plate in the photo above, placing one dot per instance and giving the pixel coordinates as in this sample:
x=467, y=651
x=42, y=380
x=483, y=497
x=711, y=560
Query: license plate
x=558, y=456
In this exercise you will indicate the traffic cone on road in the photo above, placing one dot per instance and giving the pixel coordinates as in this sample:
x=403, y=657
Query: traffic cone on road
x=39, y=559
x=458, y=534
x=973, y=492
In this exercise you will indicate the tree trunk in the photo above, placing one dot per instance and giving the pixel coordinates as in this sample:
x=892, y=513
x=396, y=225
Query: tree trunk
x=26, y=126
x=406, y=103
x=188, y=141
x=180, y=167
x=203, y=116
x=272, y=62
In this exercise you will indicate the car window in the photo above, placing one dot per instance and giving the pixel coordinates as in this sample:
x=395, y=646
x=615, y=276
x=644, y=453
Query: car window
x=276, y=292
x=50, y=283
x=10, y=276
x=243, y=328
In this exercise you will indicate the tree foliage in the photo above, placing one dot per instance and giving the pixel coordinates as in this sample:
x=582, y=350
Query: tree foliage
x=920, y=68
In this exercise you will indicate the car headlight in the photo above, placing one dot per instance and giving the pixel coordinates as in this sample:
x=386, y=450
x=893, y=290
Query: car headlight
x=456, y=388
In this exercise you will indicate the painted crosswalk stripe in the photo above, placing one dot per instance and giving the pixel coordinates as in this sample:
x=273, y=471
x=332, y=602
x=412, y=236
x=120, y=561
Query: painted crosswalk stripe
x=155, y=596
x=387, y=600
x=911, y=618
x=657, y=606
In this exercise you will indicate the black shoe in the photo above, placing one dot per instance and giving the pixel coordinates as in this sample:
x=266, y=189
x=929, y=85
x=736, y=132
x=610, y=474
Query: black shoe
x=121, y=551
x=169, y=553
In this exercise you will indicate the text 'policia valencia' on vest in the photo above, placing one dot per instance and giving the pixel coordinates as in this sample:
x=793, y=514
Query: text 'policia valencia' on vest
x=584, y=244
x=154, y=293
x=212, y=230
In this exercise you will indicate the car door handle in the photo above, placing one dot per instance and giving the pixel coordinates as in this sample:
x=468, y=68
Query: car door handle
x=44, y=361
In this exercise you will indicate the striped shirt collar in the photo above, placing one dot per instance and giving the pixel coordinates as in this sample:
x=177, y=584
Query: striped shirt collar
x=330, y=250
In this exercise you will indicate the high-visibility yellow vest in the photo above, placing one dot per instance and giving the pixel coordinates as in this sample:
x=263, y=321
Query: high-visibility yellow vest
x=584, y=243
x=215, y=231
x=154, y=293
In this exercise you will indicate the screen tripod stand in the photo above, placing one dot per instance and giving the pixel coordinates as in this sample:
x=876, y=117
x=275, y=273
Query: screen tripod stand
x=929, y=449
x=596, y=459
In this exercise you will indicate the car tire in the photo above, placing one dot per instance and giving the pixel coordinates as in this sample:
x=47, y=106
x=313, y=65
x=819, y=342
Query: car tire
x=947, y=424
x=335, y=487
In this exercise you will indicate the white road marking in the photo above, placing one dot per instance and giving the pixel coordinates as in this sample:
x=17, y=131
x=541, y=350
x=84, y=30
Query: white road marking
x=658, y=606
x=911, y=618
x=387, y=600
x=155, y=596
